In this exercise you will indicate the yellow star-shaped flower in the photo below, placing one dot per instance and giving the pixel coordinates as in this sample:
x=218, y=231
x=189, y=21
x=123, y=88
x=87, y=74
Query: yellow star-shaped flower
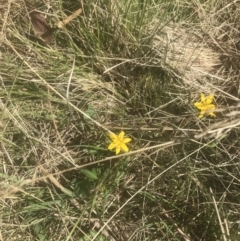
x=206, y=106
x=119, y=142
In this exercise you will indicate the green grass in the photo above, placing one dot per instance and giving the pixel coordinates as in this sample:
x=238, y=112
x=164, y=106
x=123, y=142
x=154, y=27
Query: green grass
x=130, y=65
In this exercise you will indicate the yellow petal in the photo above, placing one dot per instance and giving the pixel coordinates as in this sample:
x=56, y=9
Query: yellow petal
x=111, y=146
x=121, y=135
x=126, y=140
x=118, y=150
x=202, y=98
x=112, y=136
x=124, y=147
x=210, y=107
x=209, y=99
x=201, y=114
x=198, y=105
x=212, y=114
x=204, y=108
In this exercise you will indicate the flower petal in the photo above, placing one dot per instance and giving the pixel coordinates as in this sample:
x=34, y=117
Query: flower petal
x=201, y=114
x=212, y=114
x=124, y=147
x=209, y=99
x=202, y=98
x=210, y=107
x=111, y=146
x=126, y=140
x=198, y=104
x=118, y=149
x=112, y=136
x=121, y=135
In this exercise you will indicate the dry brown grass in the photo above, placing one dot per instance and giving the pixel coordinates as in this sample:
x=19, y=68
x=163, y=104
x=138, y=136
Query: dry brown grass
x=120, y=66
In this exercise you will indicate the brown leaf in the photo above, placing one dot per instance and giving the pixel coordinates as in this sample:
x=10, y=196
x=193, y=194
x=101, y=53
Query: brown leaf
x=39, y=23
x=41, y=27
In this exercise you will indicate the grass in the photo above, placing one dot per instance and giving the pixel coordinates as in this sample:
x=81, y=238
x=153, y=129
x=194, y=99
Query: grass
x=130, y=65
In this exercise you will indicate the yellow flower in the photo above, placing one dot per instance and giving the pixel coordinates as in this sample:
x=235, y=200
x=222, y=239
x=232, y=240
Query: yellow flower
x=119, y=142
x=206, y=106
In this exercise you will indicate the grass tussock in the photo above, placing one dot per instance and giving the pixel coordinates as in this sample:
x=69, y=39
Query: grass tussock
x=133, y=66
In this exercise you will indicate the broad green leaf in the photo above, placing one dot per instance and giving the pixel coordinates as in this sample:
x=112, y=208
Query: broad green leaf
x=89, y=174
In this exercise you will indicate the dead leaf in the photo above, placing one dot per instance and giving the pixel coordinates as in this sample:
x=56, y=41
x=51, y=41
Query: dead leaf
x=40, y=26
